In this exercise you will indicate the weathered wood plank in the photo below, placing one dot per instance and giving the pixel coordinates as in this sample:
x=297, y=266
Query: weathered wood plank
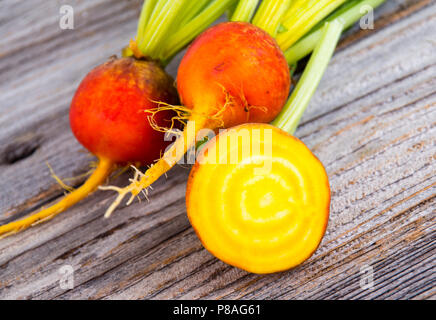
x=372, y=123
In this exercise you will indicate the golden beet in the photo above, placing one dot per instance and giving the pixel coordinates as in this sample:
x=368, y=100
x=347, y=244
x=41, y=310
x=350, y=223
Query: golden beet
x=265, y=211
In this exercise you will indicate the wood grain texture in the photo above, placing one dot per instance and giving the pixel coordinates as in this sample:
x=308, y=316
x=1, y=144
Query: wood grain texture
x=372, y=123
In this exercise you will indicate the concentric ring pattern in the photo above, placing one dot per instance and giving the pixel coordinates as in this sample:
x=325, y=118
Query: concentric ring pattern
x=264, y=210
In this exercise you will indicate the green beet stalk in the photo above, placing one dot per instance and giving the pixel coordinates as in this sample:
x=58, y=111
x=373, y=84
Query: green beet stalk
x=158, y=28
x=270, y=14
x=245, y=10
x=180, y=38
x=301, y=17
x=348, y=14
x=291, y=113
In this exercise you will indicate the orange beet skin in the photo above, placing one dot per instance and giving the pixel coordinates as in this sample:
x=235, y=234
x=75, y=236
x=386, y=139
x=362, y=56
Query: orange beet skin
x=237, y=66
x=107, y=112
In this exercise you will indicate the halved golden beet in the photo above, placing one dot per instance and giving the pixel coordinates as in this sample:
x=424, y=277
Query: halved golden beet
x=258, y=198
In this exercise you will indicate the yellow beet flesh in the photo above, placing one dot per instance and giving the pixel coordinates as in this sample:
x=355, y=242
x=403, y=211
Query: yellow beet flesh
x=262, y=221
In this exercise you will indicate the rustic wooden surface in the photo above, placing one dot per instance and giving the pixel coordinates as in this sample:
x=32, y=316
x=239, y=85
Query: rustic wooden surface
x=372, y=123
